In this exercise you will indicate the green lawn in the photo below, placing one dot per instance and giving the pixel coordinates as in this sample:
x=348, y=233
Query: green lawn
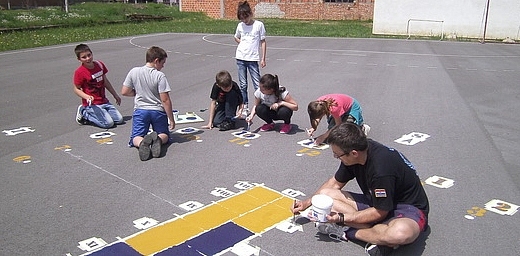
x=21, y=29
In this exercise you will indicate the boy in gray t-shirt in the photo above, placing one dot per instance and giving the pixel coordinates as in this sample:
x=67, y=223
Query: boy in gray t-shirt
x=152, y=104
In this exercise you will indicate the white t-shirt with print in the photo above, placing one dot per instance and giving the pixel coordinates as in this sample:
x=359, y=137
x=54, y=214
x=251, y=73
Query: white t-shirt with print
x=270, y=99
x=250, y=37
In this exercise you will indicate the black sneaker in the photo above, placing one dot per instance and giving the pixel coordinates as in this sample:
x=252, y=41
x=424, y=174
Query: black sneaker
x=378, y=250
x=226, y=126
x=156, y=145
x=79, y=117
x=144, y=146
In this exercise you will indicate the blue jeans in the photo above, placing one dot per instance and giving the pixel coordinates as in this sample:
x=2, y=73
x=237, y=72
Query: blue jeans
x=254, y=71
x=228, y=109
x=104, y=115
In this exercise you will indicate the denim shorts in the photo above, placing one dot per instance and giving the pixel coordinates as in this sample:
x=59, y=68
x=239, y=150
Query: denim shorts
x=142, y=119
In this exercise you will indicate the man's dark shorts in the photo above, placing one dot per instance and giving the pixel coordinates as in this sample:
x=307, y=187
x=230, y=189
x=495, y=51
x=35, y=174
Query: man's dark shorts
x=401, y=211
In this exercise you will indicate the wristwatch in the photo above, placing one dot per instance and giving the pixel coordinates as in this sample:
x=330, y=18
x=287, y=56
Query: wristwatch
x=341, y=221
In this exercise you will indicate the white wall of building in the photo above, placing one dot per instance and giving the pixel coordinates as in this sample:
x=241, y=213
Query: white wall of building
x=462, y=18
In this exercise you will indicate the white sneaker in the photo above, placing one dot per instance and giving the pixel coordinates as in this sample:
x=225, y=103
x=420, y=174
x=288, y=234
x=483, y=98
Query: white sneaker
x=366, y=129
x=245, y=113
x=334, y=231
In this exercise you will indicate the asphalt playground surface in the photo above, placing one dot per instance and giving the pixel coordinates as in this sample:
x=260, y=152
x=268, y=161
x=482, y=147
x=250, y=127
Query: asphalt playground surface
x=451, y=107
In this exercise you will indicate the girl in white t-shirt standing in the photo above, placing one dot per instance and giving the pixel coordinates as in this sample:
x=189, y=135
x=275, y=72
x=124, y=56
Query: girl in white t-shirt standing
x=273, y=102
x=250, y=36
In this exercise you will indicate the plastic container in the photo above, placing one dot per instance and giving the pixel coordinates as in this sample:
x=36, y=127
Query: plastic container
x=321, y=207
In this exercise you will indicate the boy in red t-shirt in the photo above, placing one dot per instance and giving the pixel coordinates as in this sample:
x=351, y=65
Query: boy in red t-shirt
x=90, y=82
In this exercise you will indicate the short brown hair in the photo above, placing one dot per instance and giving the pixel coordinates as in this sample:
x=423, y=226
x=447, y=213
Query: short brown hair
x=223, y=79
x=155, y=52
x=348, y=136
x=81, y=48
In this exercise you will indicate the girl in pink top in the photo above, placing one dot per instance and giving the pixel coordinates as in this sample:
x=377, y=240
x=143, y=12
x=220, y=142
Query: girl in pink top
x=338, y=108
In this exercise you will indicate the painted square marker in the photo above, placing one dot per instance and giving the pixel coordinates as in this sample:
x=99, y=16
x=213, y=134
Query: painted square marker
x=501, y=207
x=181, y=249
x=144, y=223
x=309, y=143
x=289, y=227
x=219, y=239
x=184, y=119
x=412, y=138
x=246, y=135
x=265, y=217
x=210, y=217
x=244, y=249
x=191, y=205
x=17, y=131
x=116, y=249
x=91, y=244
x=102, y=135
x=440, y=182
x=163, y=236
x=187, y=130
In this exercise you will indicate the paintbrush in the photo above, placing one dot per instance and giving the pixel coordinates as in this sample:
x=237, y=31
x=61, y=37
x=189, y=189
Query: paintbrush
x=310, y=135
x=294, y=214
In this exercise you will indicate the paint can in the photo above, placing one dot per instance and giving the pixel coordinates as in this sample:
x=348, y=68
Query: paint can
x=321, y=207
x=176, y=115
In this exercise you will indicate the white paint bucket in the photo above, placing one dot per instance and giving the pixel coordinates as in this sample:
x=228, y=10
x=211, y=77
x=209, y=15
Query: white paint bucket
x=321, y=206
x=176, y=115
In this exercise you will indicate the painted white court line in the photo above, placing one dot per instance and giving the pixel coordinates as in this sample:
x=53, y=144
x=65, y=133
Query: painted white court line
x=120, y=178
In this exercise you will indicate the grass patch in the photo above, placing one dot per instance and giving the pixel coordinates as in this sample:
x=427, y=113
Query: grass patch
x=21, y=29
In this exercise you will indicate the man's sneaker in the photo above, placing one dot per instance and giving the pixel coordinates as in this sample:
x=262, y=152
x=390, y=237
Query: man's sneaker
x=334, y=231
x=156, y=145
x=144, y=147
x=366, y=129
x=79, y=117
x=378, y=250
x=286, y=128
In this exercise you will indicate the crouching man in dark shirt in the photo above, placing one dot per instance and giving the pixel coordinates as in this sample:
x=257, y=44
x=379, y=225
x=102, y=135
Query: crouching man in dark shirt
x=393, y=209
